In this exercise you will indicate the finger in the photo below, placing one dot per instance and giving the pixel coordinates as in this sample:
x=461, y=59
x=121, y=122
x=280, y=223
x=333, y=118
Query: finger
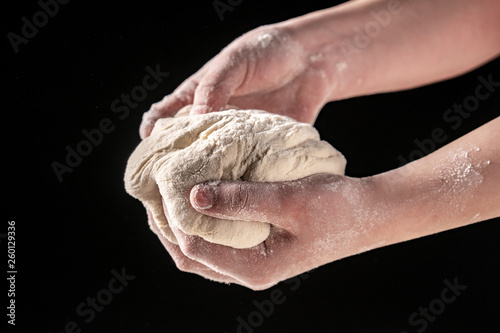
x=256, y=268
x=188, y=265
x=248, y=201
x=168, y=106
x=220, y=81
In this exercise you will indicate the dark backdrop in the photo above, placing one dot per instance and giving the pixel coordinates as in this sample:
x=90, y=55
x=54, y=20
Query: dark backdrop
x=76, y=233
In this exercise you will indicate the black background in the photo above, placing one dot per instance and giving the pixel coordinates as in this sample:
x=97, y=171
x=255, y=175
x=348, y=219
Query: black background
x=70, y=235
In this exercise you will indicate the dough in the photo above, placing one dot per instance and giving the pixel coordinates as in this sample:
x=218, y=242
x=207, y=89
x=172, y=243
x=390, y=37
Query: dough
x=248, y=145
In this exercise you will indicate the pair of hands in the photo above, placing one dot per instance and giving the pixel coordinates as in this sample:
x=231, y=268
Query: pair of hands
x=293, y=68
x=313, y=219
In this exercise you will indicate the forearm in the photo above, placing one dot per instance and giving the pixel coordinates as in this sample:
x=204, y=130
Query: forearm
x=374, y=46
x=455, y=186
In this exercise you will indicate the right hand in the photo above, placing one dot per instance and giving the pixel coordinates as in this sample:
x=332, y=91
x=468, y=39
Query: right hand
x=264, y=69
x=314, y=220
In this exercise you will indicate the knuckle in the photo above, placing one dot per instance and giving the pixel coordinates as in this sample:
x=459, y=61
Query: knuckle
x=189, y=250
x=291, y=204
x=190, y=247
x=260, y=282
x=184, y=265
x=152, y=113
x=263, y=276
x=240, y=198
x=206, y=87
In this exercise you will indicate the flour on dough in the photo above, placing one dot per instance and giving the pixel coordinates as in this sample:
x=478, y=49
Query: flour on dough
x=248, y=145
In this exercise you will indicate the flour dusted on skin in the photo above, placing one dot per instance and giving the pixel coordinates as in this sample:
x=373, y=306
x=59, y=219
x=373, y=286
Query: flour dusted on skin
x=463, y=175
x=264, y=40
x=248, y=145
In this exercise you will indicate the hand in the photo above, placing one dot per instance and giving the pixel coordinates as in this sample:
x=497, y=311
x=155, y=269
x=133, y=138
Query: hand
x=315, y=220
x=264, y=69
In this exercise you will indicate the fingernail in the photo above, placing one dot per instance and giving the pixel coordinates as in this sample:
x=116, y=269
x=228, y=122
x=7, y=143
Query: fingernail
x=204, y=197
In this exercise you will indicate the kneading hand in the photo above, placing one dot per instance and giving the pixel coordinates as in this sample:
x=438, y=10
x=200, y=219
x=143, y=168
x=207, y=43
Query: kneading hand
x=264, y=69
x=314, y=220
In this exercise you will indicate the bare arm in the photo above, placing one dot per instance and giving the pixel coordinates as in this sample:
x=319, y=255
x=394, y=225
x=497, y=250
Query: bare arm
x=372, y=46
x=455, y=186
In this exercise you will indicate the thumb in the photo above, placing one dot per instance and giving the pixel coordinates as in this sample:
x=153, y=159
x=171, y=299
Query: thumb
x=263, y=202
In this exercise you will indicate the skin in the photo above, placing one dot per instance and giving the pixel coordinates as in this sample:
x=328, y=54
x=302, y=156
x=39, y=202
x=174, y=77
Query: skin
x=297, y=66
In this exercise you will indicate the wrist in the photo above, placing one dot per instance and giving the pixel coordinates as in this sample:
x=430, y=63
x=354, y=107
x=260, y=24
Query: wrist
x=416, y=201
x=359, y=217
x=327, y=38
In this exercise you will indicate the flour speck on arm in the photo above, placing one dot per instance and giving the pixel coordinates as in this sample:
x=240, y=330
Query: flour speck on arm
x=341, y=66
x=461, y=174
x=316, y=57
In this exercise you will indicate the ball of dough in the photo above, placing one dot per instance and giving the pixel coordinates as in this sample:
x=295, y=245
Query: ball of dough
x=247, y=145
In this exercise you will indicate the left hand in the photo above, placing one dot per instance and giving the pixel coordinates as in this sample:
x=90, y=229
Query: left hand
x=266, y=68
